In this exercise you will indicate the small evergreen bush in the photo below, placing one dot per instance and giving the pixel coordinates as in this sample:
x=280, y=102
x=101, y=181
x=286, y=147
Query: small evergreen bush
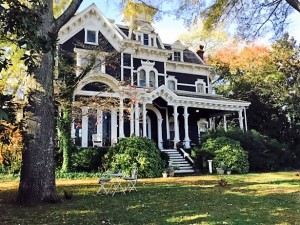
x=227, y=152
x=137, y=152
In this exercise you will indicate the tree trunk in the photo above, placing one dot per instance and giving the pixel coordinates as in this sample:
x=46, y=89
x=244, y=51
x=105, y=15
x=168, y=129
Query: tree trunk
x=37, y=182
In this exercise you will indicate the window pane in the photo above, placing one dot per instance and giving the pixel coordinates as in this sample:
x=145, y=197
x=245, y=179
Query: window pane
x=171, y=85
x=146, y=39
x=152, y=41
x=200, y=88
x=152, y=79
x=142, y=78
x=177, y=56
x=91, y=36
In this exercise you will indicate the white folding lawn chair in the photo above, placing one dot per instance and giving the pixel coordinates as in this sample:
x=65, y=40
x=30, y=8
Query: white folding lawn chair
x=104, y=186
x=131, y=181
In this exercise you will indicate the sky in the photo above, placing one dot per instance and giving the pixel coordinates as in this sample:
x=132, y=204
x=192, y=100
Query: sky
x=169, y=29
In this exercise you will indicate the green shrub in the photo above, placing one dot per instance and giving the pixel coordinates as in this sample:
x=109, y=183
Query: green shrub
x=227, y=152
x=87, y=159
x=264, y=153
x=76, y=175
x=137, y=152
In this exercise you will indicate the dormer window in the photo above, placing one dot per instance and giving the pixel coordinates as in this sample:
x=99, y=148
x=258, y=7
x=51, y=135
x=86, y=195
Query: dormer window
x=146, y=39
x=91, y=37
x=152, y=41
x=139, y=37
x=177, y=56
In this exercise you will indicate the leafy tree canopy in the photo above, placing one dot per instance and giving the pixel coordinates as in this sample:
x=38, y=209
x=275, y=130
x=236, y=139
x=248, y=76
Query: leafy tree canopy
x=252, y=18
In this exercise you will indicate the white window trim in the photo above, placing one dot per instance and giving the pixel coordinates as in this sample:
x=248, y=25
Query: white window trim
x=138, y=77
x=200, y=81
x=181, y=55
x=150, y=36
x=85, y=36
x=171, y=78
x=147, y=66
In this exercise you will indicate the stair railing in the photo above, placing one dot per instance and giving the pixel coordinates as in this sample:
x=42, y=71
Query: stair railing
x=186, y=155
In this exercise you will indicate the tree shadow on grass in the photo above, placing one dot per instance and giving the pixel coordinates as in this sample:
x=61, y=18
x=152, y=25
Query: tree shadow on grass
x=200, y=202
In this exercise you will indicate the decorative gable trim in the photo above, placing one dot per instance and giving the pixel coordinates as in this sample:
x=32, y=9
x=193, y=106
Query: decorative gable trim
x=146, y=28
x=177, y=45
x=91, y=17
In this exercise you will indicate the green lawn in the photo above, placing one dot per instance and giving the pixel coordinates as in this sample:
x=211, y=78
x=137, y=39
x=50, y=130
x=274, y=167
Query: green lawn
x=268, y=198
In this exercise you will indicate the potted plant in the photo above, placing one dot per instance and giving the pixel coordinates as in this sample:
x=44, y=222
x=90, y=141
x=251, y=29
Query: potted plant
x=229, y=170
x=221, y=168
x=165, y=174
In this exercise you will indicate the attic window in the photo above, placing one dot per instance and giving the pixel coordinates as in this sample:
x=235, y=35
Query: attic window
x=177, y=56
x=91, y=37
x=146, y=39
x=152, y=41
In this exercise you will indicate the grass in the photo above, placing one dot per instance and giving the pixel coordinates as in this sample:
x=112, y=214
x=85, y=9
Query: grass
x=268, y=198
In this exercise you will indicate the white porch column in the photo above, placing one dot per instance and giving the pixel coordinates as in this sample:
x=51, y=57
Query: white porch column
x=114, y=127
x=84, y=126
x=137, y=119
x=131, y=119
x=167, y=124
x=245, y=115
x=186, y=128
x=159, y=133
x=225, y=123
x=99, y=122
x=121, y=119
x=241, y=119
x=144, y=120
x=176, y=126
x=210, y=123
x=73, y=131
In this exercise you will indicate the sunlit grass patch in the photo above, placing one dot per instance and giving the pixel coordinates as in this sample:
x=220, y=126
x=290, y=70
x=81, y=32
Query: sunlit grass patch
x=247, y=199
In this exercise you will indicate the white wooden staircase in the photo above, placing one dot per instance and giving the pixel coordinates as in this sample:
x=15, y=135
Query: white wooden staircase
x=179, y=161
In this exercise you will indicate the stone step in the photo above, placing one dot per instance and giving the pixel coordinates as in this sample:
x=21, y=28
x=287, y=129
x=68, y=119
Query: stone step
x=175, y=157
x=184, y=171
x=177, y=160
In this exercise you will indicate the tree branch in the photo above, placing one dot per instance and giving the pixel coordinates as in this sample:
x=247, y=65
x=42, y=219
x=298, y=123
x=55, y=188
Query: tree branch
x=66, y=16
x=294, y=3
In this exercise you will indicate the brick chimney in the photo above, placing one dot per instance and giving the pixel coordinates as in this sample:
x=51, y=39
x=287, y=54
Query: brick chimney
x=200, y=52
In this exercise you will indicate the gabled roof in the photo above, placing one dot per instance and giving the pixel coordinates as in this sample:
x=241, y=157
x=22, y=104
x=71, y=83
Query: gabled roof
x=91, y=16
x=177, y=45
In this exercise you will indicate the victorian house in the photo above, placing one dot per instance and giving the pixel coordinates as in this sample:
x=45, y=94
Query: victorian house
x=160, y=91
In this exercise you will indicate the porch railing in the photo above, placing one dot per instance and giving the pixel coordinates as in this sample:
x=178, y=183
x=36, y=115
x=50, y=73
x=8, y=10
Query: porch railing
x=186, y=155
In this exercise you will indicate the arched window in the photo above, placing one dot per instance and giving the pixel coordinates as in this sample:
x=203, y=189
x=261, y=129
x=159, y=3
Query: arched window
x=171, y=82
x=142, y=78
x=200, y=86
x=171, y=85
x=152, y=79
